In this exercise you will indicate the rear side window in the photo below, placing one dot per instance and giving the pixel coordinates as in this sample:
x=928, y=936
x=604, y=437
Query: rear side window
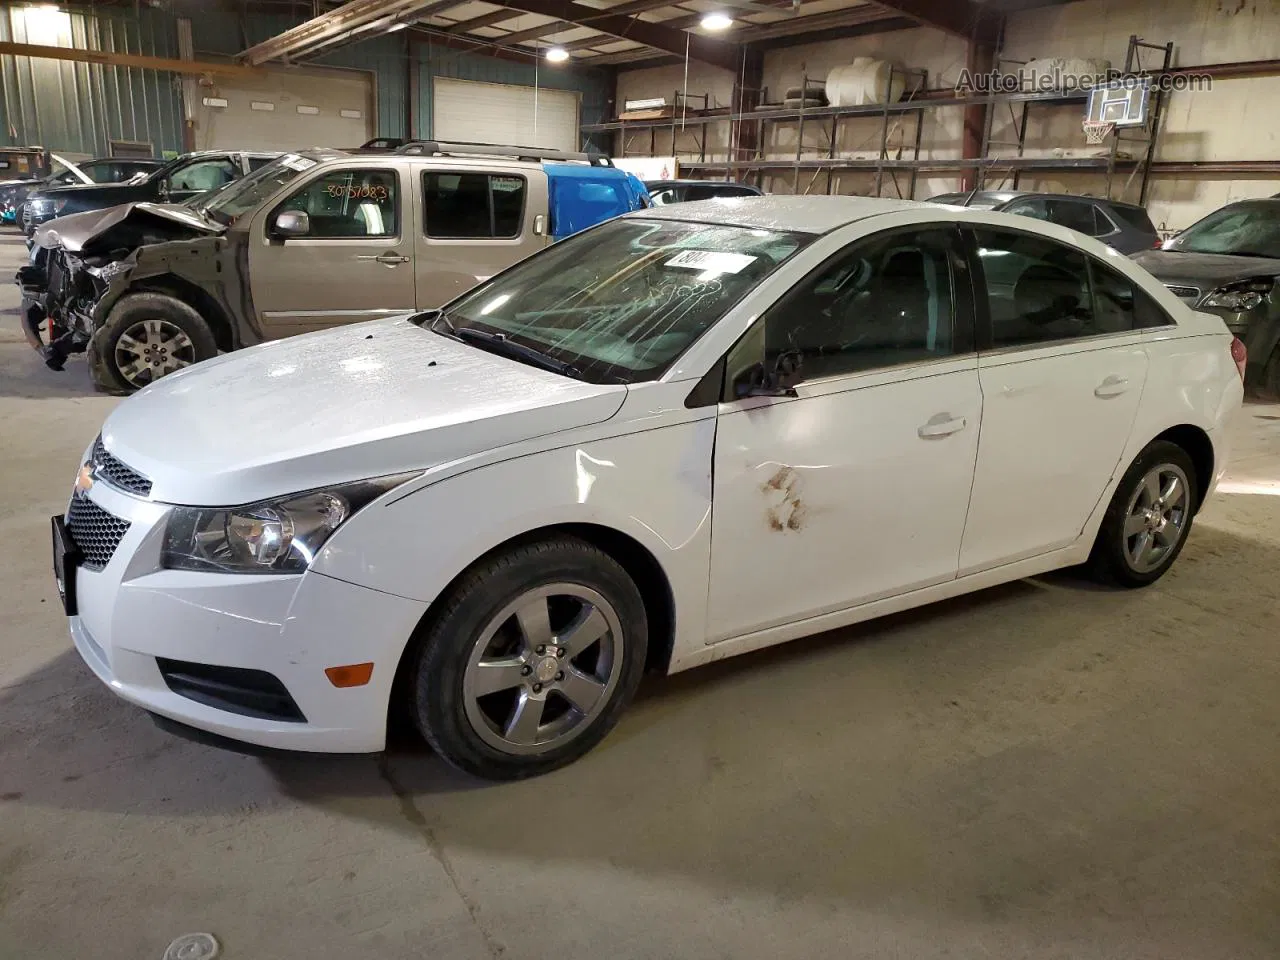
x=1074, y=215
x=473, y=206
x=1041, y=291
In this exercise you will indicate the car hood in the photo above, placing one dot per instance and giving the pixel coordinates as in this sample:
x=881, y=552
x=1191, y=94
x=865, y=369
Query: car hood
x=360, y=401
x=78, y=231
x=1203, y=270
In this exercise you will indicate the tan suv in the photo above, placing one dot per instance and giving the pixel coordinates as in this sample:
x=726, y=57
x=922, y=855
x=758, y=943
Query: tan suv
x=315, y=239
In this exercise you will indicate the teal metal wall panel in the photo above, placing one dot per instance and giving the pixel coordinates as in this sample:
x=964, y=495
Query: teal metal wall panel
x=76, y=108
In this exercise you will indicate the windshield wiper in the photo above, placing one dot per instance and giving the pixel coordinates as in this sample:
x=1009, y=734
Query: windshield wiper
x=499, y=344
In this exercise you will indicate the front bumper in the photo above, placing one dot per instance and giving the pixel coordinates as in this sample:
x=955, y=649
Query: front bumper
x=131, y=612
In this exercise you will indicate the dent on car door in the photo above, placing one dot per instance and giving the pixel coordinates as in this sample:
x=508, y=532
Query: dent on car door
x=474, y=224
x=353, y=262
x=1062, y=365
x=856, y=487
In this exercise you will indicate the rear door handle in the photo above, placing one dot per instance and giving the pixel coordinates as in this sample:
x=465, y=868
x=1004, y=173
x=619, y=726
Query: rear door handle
x=1113, y=386
x=390, y=259
x=942, y=425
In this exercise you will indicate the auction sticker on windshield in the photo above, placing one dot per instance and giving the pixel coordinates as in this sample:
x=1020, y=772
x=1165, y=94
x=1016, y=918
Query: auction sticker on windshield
x=711, y=260
x=294, y=162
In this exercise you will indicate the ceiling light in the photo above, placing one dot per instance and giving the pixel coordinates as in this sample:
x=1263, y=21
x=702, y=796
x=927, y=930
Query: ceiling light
x=557, y=54
x=717, y=21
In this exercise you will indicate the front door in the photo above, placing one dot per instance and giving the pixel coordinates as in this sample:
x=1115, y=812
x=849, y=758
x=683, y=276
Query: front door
x=1062, y=372
x=475, y=224
x=856, y=488
x=356, y=262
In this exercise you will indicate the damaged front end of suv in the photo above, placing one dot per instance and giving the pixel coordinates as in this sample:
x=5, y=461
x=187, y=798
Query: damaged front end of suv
x=82, y=267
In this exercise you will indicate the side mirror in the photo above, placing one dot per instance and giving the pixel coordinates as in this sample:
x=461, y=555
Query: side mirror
x=778, y=382
x=292, y=223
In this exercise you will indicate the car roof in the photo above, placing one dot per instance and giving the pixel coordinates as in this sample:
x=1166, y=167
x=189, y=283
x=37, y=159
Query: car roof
x=799, y=214
x=689, y=181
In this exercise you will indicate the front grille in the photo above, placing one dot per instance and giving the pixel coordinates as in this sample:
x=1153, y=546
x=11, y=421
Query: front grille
x=94, y=531
x=249, y=693
x=1184, y=293
x=117, y=474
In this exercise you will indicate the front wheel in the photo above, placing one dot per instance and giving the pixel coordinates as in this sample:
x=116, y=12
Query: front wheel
x=1149, y=518
x=147, y=336
x=531, y=660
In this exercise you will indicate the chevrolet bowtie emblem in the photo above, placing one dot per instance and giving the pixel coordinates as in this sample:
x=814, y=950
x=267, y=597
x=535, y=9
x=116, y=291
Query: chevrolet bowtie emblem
x=84, y=479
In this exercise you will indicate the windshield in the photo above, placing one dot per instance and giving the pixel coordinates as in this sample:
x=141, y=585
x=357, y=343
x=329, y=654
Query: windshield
x=227, y=205
x=1243, y=229
x=620, y=302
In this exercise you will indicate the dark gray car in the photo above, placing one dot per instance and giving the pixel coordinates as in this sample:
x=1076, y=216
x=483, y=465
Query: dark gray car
x=1228, y=263
x=1122, y=226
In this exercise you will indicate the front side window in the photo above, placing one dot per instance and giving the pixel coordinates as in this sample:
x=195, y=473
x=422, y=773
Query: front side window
x=1042, y=291
x=473, y=206
x=347, y=204
x=1250, y=229
x=889, y=300
x=203, y=175
x=619, y=303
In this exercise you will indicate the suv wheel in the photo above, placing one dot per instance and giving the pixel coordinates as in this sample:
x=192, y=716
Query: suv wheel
x=147, y=336
x=531, y=661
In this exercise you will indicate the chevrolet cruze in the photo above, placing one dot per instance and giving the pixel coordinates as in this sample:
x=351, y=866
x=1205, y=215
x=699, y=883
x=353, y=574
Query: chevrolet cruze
x=688, y=433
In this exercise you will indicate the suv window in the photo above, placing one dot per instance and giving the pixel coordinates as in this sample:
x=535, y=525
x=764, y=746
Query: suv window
x=888, y=300
x=203, y=175
x=1135, y=217
x=473, y=206
x=1040, y=291
x=1079, y=215
x=344, y=204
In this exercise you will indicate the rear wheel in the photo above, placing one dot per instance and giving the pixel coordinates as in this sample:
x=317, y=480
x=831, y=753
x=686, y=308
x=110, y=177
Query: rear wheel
x=531, y=660
x=147, y=336
x=1148, y=519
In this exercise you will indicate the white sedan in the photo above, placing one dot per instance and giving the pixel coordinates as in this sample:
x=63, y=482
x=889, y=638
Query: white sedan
x=685, y=434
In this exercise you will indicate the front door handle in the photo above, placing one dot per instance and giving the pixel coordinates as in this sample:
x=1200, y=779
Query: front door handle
x=390, y=259
x=942, y=425
x=1113, y=386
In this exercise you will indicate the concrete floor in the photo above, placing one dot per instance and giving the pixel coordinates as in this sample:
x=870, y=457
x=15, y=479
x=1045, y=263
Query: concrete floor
x=1044, y=770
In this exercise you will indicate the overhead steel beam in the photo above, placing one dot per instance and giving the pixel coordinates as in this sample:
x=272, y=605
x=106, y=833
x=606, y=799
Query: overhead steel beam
x=717, y=53
x=41, y=51
x=960, y=18
x=352, y=19
x=488, y=20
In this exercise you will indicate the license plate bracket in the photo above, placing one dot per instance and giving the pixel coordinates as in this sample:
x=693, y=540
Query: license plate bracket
x=66, y=559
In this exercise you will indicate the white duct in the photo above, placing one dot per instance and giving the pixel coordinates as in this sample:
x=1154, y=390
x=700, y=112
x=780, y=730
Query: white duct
x=863, y=82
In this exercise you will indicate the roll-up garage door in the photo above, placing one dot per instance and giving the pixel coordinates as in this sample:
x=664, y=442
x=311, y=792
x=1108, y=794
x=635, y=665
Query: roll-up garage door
x=467, y=111
x=286, y=110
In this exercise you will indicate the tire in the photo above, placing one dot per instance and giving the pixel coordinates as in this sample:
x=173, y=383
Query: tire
x=171, y=333
x=525, y=725
x=1116, y=557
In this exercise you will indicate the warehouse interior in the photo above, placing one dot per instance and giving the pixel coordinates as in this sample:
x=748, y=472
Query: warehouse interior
x=1042, y=769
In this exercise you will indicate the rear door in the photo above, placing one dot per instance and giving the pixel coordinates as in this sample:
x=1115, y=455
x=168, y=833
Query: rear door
x=1062, y=365
x=355, y=264
x=472, y=224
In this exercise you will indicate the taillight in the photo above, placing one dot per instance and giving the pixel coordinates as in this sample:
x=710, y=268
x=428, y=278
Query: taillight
x=1240, y=354
x=1158, y=244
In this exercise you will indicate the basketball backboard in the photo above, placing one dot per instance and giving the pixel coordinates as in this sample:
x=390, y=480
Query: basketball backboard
x=1121, y=102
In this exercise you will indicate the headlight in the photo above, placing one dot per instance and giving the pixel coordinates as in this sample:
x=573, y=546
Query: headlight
x=1239, y=297
x=275, y=536
x=109, y=270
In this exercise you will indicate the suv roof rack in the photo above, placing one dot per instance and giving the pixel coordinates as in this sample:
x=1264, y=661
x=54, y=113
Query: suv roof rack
x=422, y=148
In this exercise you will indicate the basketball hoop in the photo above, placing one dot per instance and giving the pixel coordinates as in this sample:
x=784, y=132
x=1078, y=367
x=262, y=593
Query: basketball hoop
x=1097, y=131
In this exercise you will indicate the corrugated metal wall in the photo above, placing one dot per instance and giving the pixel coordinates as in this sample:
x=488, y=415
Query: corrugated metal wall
x=76, y=108
x=434, y=60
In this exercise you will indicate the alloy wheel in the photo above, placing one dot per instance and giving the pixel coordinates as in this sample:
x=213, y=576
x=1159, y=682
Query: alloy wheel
x=543, y=669
x=151, y=349
x=1156, y=517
